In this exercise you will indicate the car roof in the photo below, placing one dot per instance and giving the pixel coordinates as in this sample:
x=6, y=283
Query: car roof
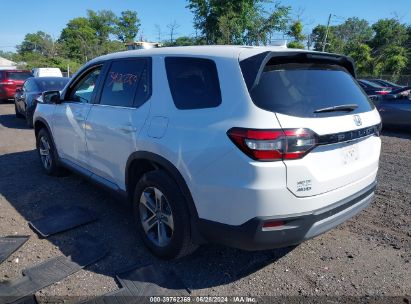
x=49, y=78
x=223, y=51
x=14, y=71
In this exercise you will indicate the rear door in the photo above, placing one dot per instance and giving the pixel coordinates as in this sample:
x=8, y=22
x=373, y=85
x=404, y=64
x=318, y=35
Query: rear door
x=302, y=96
x=115, y=121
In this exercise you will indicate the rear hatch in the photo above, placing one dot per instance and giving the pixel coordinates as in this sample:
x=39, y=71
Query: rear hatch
x=320, y=99
x=14, y=80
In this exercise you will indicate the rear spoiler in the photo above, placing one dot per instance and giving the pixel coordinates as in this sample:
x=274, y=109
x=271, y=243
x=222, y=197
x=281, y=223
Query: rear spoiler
x=252, y=67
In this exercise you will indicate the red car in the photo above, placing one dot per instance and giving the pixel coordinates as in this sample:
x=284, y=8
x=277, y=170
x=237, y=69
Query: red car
x=10, y=81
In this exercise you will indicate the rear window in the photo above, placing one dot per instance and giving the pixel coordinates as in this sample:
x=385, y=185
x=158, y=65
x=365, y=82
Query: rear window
x=52, y=84
x=371, y=84
x=299, y=89
x=18, y=75
x=193, y=82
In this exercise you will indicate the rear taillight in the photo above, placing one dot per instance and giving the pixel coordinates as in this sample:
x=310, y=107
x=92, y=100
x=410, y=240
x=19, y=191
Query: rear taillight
x=7, y=82
x=272, y=145
x=382, y=92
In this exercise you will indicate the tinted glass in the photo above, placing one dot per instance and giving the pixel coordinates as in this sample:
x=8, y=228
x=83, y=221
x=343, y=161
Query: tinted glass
x=84, y=89
x=18, y=75
x=301, y=89
x=51, y=84
x=144, y=86
x=122, y=81
x=193, y=82
x=370, y=84
x=30, y=86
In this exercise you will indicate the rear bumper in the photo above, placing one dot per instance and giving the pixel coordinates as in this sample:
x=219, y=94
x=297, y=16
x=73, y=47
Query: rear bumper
x=7, y=93
x=297, y=227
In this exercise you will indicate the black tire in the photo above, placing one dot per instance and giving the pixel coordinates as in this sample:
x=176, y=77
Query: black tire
x=18, y=114
x=29, y=120
x=179, y=243
x=53, y=167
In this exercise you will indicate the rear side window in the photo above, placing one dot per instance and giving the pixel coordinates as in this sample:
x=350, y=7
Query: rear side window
x=30, y=85
x=193, y=82
x=126, y=81
x=299, y=89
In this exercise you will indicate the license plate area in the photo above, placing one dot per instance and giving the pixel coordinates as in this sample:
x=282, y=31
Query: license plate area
x=350, y=154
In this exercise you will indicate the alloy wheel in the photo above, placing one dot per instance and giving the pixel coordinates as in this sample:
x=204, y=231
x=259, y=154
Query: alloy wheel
x=156, y=216
x=44, y=150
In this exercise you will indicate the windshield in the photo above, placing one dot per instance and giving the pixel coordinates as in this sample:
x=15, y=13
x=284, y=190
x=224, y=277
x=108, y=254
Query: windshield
x=299, y=89
x=55, y=84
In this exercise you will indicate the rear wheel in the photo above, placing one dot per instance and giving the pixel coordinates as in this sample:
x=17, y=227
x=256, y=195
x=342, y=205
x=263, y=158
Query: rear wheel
x=16, y=110
x=47, y=153
x=162, y=216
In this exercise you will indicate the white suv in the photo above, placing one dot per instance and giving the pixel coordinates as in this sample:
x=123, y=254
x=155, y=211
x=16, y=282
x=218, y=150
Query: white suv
x=252, y=147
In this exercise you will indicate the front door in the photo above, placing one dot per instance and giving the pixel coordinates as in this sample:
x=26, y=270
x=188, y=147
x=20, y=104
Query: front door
x=70, y=116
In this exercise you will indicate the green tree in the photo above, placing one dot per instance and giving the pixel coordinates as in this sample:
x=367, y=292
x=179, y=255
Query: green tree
x=333, y=44
x=354, y=30
x=7, y=55
x=183, y=41
x=79, y=40
x=127, y=26
x=296, y=33
x=361, y=53
x=390, y=46
x=239, y=22
x=39, y=42
x=103, y=23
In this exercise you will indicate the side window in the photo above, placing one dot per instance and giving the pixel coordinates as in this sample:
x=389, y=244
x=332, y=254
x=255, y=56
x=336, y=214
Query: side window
x=193, y=82
x=25, y=86
x=126, y=83
x=30, y=85
x=83, y=91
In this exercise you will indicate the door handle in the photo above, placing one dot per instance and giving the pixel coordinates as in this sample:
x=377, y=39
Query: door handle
x=79, y=118
x=128, y=129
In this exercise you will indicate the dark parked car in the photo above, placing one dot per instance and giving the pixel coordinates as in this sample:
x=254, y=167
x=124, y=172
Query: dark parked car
x=395, y=109
x=372, y=88
x=386, y=83
x=10, y=81
x=26, y=98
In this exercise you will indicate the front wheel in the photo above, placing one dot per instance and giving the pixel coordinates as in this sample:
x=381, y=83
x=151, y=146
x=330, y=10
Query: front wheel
x=29, y=119
x=47, y=153
x=162, y=216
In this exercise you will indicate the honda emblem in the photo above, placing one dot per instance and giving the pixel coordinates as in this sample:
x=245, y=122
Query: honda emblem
x=357, y=120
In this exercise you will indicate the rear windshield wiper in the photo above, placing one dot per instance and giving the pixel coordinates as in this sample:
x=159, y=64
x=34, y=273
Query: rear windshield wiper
x=345, y=107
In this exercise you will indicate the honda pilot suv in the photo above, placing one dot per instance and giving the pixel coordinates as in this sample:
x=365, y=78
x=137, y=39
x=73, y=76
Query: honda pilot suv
x=251, y=147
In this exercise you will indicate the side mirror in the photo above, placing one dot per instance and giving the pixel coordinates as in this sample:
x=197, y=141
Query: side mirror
x=51, y=97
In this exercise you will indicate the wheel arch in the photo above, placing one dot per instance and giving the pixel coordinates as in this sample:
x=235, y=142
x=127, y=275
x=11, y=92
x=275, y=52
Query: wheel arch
x=141, y=162
x=41, y=123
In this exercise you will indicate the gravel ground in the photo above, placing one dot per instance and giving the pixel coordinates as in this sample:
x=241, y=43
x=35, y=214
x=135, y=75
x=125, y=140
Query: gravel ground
x=365, y=257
